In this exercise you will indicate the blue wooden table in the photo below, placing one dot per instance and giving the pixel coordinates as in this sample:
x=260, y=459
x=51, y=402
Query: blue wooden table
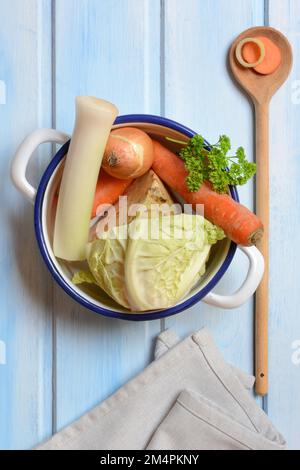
x=165, y=57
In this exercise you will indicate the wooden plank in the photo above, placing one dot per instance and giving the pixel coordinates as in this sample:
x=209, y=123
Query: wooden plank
x=200, y=93
x=25, y=285
x=283, y=400
x=109, y=49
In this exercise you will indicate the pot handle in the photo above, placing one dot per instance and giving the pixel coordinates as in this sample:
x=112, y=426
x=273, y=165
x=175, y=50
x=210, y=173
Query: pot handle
x=24, y=153
x=249, y=286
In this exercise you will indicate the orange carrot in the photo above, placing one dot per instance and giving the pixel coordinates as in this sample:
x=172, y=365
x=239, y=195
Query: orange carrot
x=272, y=58
x=238, y=222
x=108, y=190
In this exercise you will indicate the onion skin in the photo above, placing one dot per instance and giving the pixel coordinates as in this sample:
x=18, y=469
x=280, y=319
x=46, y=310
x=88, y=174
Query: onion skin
x=128, y=153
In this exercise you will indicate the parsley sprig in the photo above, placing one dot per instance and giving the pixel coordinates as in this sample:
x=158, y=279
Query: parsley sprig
x=215, y=165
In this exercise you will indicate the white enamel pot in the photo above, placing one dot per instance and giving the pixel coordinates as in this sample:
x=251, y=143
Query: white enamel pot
x=44, y=211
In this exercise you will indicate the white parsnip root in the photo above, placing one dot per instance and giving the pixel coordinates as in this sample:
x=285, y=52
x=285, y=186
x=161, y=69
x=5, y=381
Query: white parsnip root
x=94, y=119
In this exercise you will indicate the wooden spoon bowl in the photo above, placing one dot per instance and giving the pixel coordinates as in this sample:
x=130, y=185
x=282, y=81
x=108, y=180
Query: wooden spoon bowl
x=261, y=88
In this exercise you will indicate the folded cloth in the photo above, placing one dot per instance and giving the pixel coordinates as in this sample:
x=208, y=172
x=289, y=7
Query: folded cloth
x=209, y=428
x=188, y=398
x=168, y=338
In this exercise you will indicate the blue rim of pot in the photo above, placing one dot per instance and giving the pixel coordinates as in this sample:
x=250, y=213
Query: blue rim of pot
x=151, y=315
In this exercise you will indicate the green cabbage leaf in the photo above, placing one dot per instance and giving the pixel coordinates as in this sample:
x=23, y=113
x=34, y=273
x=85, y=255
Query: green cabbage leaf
x=153, y=262
x=160, y=270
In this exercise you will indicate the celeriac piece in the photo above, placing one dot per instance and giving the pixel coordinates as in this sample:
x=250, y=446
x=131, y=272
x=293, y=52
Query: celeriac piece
x=146, y=194
x=94, y=119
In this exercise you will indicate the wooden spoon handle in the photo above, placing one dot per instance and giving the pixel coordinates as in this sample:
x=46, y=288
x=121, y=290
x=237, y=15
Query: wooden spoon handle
x=262, y=209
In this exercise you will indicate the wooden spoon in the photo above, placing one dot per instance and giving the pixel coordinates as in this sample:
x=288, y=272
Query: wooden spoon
x=261, y=88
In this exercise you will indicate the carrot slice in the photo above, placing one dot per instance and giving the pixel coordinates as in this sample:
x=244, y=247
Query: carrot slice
x=272, y=58
x=108, y=190
x=238, y=222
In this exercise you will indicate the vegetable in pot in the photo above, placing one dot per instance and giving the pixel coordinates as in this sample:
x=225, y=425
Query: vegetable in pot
x=94, y=118
x=146, y=195
x=238, y=222
x=105, y=258
x=108, y=190
x=215, y=165
x=160, y=271
x=152, y=263
x=128, y=153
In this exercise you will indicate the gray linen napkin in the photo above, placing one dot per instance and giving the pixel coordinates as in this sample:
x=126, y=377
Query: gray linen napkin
x=188, y=398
